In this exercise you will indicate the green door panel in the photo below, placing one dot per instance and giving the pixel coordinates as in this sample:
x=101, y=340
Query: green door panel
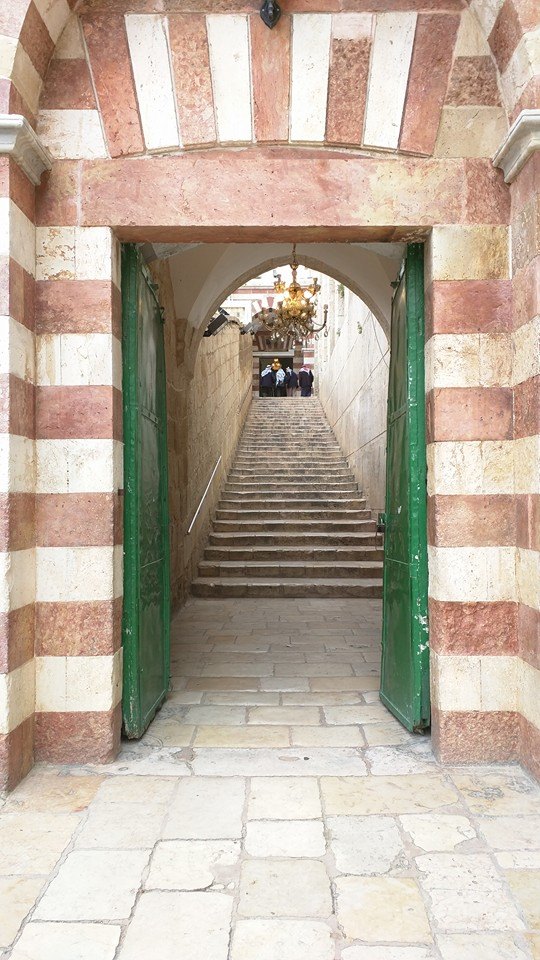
x=146, y=616
x=405, y=648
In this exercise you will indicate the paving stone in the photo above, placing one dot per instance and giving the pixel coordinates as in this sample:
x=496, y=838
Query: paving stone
x=51, y=793
x=284, y=888
x=386, y=795
x=382, y=909
x=206, y=809
x=525, y=885
x=322, y=698
x=214, y=715
x=169, y=733
x=67, y=941
x=254, y=736
x=277, y=798
x=366, y=845
x=327, y=737
x=31, y=842
x=344, y=683
x=282, y=940
x=388, y=953
x=129, y=789
x=293, y=762
x=192, y=864
x=283, y=838
x=244, y=698
x=499, y=794
x=438, y=832
x=386, y=734
x=511, y=833
x=285, y=715
x=480, y=946
x=467, y=893
x=115, y=826
x=222, y=683
x=94, y=885
x=361, y=713
x=169, y=925
x=284, y=683
x=313, y=670
x=17, y=897
x=398, y=760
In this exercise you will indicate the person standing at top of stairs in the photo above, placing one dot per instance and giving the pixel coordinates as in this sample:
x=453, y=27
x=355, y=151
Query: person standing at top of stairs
x=305, y=379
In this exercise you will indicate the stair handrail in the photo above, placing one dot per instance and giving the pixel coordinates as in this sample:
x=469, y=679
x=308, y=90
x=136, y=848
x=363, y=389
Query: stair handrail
x=203, y=498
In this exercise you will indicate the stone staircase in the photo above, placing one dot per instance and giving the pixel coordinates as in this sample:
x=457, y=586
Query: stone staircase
x=290, y=522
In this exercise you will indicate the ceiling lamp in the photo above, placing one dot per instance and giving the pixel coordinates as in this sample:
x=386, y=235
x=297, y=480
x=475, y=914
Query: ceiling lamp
x=295, y=315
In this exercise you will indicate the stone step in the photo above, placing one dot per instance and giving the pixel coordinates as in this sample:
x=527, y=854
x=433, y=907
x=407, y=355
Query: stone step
x=300, y=501
x=243, y=491
x=328, y=554
x=315, y=473
x=232, y=538
x=296, y=569
x=263, y=587
x=293, y=515
x=293, y=526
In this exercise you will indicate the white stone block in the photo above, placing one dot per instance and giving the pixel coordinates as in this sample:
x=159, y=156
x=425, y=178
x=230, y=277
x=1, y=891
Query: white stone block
x=529, y=692
x=55, y=253
x=527, y=351
x=471, y=41
x=74, y=573
x=93, y=253
x=78, y=466
x=352, y=26
x=26, y=78
x=528, y=577
x=79, y=360
x=523, y=66
x=17, y=464
x=17, y=354
x=17, y=235
x=17, y=579
x=228, y=43
x=149, y=50
x=389, y=73
x=17, y=696
x=72, y=134
x=78, y=684
x=470, y=131
x=472, y=574
x=310, y=69
x=455, y=682
x=499, y=683
x=70, y=45
x=55, y=14
x=486, y=12
x=527, y=464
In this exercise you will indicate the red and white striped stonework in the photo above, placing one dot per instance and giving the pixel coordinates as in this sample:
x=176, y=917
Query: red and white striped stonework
x=353, y=119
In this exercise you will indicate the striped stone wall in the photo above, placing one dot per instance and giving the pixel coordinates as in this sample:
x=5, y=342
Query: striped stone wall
x=316, y=82
x=17, y=472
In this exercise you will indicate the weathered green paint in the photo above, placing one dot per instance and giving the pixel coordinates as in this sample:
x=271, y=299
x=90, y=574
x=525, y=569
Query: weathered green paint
x=146, y=616
x=405, y=640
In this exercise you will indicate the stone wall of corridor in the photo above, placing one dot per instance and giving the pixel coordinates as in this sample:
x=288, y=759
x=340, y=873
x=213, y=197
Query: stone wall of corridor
x=351, y=365
x=148, y=143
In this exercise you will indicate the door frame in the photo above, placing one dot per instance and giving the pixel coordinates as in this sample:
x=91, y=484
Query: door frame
x=134, y=272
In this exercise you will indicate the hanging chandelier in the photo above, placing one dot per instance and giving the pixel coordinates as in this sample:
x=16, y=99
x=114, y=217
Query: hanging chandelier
x=295, y=315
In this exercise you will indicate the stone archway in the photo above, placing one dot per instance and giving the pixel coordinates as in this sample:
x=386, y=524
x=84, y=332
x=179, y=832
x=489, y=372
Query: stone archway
x=480, y=415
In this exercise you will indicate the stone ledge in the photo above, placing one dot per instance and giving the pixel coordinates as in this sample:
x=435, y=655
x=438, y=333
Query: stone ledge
x=521, y=141
x=18, y=140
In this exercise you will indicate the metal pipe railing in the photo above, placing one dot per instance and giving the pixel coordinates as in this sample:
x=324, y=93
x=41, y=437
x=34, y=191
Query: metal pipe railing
x=203, y=498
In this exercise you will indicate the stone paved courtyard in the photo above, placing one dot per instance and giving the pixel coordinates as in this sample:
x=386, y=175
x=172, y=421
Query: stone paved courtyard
x=274, y=811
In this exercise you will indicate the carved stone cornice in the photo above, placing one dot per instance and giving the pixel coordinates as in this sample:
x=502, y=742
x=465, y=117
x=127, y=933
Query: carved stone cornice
x=19, y=140
x=522, y=139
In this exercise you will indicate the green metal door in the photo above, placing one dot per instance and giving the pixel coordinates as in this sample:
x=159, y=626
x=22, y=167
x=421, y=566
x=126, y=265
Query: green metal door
x=405, y=650
x=146, y=617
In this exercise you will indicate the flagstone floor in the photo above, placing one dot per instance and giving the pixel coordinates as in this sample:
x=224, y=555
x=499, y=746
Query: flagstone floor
x=274, y=811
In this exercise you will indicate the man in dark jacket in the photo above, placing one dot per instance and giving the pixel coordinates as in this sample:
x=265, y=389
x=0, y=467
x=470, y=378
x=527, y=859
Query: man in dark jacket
x=268, y=382
x=291, y=379
x=305, y=379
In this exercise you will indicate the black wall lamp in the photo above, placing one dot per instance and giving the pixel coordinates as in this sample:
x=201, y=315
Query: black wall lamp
x=270, y=13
